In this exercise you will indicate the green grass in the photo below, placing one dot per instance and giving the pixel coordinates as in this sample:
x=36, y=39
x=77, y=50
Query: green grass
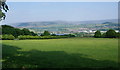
x=60, y=53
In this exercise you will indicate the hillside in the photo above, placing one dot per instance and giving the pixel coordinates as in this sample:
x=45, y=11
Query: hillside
x=67, y=26
x=9, y=30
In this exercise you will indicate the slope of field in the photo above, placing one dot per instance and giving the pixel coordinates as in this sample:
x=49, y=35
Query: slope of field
x=60, y=53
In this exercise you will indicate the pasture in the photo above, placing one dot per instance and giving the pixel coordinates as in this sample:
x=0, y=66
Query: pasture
x=60, y=53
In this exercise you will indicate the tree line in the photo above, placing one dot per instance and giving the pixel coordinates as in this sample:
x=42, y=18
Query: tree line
x=109, y=34
x=9, y=30
x=10, y=33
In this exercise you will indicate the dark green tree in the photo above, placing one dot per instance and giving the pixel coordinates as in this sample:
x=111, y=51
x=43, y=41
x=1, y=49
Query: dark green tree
x=46, y=33
x=97, y=34
x=33, y=34
x=103, y=35
x=118, y=35
x=26, y=31
x=111, y=33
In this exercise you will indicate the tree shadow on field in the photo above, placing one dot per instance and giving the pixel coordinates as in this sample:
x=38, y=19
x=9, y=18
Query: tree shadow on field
x=13, y=58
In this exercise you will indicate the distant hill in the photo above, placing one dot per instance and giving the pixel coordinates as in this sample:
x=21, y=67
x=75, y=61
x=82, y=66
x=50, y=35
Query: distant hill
x=100, y=21
x=67, y=26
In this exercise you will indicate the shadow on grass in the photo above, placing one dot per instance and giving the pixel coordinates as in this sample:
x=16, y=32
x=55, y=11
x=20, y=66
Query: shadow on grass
x=12, y=58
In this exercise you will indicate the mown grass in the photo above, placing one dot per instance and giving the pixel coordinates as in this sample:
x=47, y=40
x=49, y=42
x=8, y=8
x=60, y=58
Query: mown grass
x=60, y=53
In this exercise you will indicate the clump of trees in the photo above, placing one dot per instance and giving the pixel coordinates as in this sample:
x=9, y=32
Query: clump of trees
x=46, y=33
x=10, y=33
x=97, y=34
x=109, y=34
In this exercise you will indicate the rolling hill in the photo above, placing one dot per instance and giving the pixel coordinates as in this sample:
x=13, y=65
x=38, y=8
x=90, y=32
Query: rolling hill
x=67, y=26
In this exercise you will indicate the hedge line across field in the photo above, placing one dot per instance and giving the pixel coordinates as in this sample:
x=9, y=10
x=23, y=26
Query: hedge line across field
x=22, y=37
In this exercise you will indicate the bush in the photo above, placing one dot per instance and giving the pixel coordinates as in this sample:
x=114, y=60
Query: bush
x=28, y=37
x=111, y=34
x=8, y=37
x=0, y=37
x=40, y=37
x=97, y=34
x=46, y=33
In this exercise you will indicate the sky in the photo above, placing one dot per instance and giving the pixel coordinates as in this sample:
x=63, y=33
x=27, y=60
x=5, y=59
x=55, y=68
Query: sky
x=60, y=11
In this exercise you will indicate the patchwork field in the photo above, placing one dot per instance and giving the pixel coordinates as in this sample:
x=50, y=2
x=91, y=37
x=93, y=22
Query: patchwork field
x=60, y=53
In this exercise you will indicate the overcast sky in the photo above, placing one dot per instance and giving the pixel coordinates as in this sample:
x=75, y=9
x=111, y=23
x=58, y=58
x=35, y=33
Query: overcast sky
x=60, y=11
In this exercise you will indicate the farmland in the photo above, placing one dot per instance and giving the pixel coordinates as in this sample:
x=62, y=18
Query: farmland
x=60, y=53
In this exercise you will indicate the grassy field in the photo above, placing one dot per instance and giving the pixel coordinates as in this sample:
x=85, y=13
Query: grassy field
x=60, y=53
